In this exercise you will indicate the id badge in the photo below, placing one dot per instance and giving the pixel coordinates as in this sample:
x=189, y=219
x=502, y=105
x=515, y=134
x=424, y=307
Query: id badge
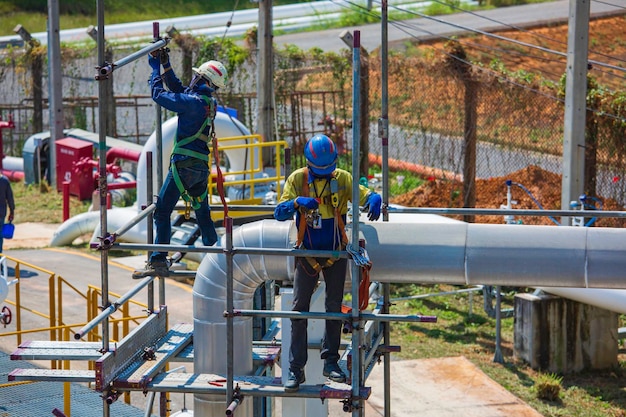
x=317, y=221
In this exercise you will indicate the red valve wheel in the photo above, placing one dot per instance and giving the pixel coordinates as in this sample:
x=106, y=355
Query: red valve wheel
x=6, y=316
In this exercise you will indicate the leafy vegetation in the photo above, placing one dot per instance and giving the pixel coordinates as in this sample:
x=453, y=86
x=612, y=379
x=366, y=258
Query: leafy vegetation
x=33, y=14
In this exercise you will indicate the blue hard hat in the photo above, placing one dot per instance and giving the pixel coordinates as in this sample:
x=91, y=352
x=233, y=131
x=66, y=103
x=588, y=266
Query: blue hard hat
x=321, y=155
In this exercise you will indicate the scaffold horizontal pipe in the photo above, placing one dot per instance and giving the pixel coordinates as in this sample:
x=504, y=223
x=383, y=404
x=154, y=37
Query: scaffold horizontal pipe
x=459, y=211
x=161, y=43
x=236, y=250
x=332, y=316
x=131, y=223
x=112, y=308
x=502, y=212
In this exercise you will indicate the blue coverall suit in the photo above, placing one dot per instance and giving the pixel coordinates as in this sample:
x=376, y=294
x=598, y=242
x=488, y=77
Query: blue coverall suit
x=327, y=237
x=192, y=110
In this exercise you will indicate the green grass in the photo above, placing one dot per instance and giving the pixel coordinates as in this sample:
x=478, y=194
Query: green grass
x=42, y=204
x=33, y=14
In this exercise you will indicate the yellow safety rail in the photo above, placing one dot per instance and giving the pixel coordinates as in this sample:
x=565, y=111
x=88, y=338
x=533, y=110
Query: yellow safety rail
x=53, y=321
x=29, y=319
x=254, y=145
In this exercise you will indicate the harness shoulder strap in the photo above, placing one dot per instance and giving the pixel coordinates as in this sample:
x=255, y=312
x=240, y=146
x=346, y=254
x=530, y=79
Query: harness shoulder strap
x=338, y=220
x=305, y=192
x=180, y=150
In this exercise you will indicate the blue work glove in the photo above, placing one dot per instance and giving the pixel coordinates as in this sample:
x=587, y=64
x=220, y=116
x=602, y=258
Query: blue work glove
x=373, y=204
x=307, y=202
x=154, y=62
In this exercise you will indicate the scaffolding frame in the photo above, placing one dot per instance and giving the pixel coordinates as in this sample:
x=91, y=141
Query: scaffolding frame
x=112, y=364
x=122, y=369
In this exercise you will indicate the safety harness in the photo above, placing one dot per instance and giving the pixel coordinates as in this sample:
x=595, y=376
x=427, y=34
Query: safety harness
x=196, y=157
x=339, y=224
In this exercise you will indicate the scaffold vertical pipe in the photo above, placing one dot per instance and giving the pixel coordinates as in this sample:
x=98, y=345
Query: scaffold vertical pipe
x=383, y=128
x=384, y=137
x=159, y=122
x=102, y=186
x=102, y=178
x=228, y=225
x=150, y=221
x=356, y=335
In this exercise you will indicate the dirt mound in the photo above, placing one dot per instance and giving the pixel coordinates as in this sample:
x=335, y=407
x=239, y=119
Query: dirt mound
x=531, y=188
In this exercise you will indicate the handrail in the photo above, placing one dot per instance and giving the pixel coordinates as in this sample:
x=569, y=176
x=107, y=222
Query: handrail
x=113, y=307
x=56, y=325
x=255, y=167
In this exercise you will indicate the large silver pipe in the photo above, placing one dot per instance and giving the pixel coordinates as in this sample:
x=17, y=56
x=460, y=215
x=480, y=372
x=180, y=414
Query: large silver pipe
x=209, y=304
x=509, y=255
x=572, y=259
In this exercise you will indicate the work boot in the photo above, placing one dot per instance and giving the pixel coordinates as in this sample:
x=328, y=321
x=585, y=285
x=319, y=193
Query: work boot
x=154, y=268
x=294, y=380
x=334, y=372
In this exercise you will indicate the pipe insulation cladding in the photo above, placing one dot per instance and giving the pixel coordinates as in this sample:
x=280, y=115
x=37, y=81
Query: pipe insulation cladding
x=405, y=250
x=209, y=304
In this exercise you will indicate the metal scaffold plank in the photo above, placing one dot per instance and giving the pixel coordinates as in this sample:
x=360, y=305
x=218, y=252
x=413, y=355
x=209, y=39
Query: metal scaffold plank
x=145, y=366
x=57, y=350
x=248, y=385
x=109, y=366
x=59, y=344
x=261, y=355
x=56, y=354
x=57, y=375
x=185, y=355
x=265, y=355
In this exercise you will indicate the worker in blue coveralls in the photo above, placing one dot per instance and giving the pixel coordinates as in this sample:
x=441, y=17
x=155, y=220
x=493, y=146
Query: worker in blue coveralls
x=318, y=194
x=189, y=162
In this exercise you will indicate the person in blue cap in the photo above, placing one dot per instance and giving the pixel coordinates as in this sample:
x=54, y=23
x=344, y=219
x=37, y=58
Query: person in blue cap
x=188, y=172
x=318, y=195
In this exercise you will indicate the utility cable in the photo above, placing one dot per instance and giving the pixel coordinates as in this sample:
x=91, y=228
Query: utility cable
x=487, y=34
x=403, y=25
x=230, y=21
x=411, y=26
x=520, y=29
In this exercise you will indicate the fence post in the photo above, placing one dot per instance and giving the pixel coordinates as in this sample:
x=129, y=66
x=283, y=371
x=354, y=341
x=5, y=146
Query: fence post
x=458, y=63
x=66, y=200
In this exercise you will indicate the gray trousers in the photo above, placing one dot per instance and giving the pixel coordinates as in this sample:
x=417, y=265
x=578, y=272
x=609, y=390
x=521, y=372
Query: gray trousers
x=305, y=282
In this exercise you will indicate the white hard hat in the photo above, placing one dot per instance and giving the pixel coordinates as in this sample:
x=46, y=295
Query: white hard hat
x=213, y=71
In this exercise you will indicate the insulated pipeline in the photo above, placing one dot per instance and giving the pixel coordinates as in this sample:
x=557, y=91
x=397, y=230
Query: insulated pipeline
x=209, y=303
x=407, y=250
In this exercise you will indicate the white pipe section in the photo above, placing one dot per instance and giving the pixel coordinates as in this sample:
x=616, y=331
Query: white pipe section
x=209, y=304
x=225, y=126
x=590, y=260
x=89, y=222
x=13, y=163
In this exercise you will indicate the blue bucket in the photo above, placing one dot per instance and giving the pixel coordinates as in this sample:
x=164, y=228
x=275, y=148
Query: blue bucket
x=7, y=230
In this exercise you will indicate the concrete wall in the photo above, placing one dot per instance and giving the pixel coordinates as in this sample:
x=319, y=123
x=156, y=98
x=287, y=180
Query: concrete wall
x=559, y=335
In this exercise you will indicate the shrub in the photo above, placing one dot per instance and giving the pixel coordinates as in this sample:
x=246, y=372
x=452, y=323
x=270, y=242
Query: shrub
x=548, y=387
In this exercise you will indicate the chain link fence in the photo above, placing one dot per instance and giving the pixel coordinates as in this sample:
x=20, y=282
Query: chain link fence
x=451, y=118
